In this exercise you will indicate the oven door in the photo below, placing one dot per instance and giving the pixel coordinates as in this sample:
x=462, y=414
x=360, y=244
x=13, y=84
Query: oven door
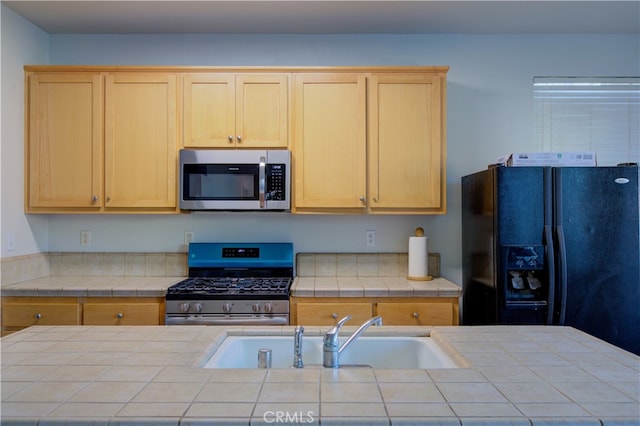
x=221, y=319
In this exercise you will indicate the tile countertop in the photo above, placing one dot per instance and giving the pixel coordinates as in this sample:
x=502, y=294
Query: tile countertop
x=134, y=286
x=372, y=287
x=92, y=286
x=151, y=375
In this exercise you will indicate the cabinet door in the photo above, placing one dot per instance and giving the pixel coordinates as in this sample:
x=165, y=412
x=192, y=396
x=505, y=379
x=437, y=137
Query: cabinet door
x=226, y=110
x=423, y=313
x=330, y=313
x=122, y=313
x=28, y=312
x=262, y=111
x=64, y=144
x=209, y=110
x=406, y=143
x=140, y=146
x=329, y=141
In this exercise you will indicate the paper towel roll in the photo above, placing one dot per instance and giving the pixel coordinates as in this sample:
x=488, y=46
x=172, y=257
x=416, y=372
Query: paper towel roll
x=418, y=259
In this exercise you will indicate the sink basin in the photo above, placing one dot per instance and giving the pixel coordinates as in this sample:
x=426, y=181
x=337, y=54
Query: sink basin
x=376, y=351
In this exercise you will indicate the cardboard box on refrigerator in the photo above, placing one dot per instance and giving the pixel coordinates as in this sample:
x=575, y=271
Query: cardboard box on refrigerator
x=558, y=159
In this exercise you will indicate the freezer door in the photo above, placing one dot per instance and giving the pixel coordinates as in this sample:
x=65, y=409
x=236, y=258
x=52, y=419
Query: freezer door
x=503, y=207
x=597, y=225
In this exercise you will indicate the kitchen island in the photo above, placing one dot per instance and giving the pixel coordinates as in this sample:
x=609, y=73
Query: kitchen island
x=154, y=375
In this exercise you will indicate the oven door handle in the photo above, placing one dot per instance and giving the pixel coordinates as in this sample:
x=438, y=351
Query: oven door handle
x=262, y=181
x=206, y=320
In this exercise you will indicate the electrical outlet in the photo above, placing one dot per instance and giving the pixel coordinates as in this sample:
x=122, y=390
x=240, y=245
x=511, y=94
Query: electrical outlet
x=189, y=236
x=85, y=238
x=371, y=238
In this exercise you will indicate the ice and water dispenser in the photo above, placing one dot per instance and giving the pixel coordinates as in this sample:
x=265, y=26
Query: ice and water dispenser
x=525, y=286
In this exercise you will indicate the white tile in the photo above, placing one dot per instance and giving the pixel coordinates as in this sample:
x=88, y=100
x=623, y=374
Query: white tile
x=410, y=392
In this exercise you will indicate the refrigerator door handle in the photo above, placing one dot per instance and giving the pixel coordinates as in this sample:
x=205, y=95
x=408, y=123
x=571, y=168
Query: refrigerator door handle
x=550, y=259
x=562, y=266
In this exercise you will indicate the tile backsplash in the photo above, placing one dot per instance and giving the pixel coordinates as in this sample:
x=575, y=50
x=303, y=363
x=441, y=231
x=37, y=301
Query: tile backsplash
x=29, y=267
x=359, y=264
x=21, y=268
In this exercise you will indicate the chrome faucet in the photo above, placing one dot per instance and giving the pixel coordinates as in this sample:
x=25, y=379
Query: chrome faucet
x=330, y=348
x=297, y=347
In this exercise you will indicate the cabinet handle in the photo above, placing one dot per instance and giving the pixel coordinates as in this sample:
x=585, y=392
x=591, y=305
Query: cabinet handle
x=239, y=138
x=334, y=315
x=120, y=315
x=415, y=315
x=38, y=316
x=230, y=138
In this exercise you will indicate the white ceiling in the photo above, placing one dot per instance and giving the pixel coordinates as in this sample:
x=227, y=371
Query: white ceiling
x=330, y=16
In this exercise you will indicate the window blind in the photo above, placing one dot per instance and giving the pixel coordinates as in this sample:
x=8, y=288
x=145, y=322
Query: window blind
x=589, y=114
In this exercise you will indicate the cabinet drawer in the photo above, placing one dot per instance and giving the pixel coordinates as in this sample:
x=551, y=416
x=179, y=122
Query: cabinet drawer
x=121, y=313
x=331, y=313
x=407, y=313
x=28, y=314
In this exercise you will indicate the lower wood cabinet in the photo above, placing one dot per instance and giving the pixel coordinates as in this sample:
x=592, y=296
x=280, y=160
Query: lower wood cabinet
x=394, y=311
x=22, y=312
x=418, y=313
x=329, y=313
x=125, y=311
x=19, y=312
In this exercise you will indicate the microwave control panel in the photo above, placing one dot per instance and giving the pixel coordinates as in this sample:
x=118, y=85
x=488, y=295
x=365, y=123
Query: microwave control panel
x=276, y=182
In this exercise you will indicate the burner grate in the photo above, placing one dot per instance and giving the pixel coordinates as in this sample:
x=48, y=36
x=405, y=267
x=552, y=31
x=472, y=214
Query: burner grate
x=220, y=286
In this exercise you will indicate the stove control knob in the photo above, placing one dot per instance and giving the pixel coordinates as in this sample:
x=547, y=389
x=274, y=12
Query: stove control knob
x=197, y=307
x=184, y=307
x=268, y=308
x=255, y=307
x=226, y=308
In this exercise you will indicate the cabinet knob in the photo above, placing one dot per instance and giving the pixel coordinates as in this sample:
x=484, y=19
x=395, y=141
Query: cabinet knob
x=38, y=315
x=334, y=315
x=230, y=138
x=415, y=315
x=239, y=138
x=375, y=200
x=94, y=199
x=108, y=199
x=120, y=315
x=362, y=198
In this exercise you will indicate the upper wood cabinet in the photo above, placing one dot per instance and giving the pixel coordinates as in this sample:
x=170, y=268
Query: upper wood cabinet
x=101, y=142
x=64, y=141
x=236, y=110
x=329, y=141
x=363, y=139
x=140, y=140
x=370, y=142
x=406, y=143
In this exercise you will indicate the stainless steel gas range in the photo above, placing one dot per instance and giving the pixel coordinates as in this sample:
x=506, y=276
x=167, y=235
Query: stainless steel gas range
x=233, y=284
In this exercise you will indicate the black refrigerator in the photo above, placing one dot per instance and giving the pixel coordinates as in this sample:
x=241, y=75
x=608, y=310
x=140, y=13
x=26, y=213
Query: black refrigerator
x=553, y=245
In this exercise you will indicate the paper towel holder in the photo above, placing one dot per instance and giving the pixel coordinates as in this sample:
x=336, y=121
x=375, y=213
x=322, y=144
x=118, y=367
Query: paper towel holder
x=420, y=233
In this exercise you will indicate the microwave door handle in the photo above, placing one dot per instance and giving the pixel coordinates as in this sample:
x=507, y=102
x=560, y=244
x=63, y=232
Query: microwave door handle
x=262, y=181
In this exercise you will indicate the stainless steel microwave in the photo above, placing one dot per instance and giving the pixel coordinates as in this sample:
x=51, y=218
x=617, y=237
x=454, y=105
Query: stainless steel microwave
x=235, y=180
